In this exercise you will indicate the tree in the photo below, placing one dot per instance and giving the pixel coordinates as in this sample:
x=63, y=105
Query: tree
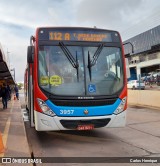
x=20, y=85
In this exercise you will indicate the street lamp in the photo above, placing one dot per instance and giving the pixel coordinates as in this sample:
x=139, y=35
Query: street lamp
x=8, y=59
x=13, y=73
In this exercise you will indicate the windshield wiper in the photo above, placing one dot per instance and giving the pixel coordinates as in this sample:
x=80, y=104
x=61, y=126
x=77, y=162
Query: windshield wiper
x=95, y=57
x=89, y=66
x=77, y=67
x=72, y=60
x=96, y=54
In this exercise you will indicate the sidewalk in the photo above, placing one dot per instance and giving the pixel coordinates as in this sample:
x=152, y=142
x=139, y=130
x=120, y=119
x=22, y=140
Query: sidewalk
x=145, y=98
x=13, y=131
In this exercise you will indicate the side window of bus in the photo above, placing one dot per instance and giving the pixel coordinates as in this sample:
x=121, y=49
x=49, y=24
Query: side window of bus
x=113, y=64
x=118, y=68
x=42, y=64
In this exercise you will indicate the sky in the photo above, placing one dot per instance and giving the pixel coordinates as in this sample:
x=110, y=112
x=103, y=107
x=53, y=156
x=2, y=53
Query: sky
x=20, y=18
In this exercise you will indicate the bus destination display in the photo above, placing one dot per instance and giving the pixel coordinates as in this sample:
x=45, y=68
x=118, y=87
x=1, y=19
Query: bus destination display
x=80, y=36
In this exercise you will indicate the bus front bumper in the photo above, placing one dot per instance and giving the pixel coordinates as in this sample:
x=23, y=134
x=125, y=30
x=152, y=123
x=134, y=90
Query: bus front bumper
x=47, y=123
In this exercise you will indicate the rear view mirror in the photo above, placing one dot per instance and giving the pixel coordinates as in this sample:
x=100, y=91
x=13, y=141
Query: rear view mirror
x=127, y=68
x=30, y=54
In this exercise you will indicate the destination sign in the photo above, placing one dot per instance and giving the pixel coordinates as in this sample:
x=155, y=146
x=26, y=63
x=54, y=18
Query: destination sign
x=80, y=36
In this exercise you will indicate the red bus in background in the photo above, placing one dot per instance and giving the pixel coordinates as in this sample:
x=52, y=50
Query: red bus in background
x=75, y=79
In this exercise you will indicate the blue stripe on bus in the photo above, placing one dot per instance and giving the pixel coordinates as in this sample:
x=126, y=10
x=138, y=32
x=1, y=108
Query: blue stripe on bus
x=79, y=111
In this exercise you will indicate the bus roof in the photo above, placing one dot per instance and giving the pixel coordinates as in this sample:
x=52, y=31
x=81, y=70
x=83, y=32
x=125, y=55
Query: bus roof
x=87, y=28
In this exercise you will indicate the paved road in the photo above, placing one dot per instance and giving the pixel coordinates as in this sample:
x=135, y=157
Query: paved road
x=140, y=137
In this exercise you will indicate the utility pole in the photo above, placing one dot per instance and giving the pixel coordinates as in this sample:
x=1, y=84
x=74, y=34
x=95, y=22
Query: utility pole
x=13, y=73
x=8, y=59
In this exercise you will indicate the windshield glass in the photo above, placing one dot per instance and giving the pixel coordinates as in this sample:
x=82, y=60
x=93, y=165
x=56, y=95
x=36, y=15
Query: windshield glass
x=58, y=76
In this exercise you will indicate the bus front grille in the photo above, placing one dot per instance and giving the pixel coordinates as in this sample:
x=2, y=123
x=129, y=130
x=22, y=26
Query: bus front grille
x=84, y=103
x=73, y=124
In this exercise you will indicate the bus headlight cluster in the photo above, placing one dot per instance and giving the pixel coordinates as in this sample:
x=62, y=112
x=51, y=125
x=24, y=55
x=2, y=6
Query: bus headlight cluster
x=45, y=109
x=121, y=106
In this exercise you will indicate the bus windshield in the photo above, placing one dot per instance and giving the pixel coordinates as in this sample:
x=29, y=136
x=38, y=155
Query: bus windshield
x=58, y=76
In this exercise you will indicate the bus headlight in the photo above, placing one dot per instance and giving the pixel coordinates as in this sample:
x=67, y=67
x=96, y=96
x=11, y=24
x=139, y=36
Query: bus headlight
x=44, y=107
x=121, y=106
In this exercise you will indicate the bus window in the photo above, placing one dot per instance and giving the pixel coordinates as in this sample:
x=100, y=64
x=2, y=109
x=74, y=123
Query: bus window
x=107, y=75
x=62, y=75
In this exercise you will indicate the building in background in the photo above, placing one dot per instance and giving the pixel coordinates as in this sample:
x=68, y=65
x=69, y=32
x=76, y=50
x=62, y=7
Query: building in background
x=146, y=57
x=5, y=71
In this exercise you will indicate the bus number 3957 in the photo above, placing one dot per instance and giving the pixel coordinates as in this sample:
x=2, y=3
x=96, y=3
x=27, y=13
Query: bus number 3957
x=64, y=112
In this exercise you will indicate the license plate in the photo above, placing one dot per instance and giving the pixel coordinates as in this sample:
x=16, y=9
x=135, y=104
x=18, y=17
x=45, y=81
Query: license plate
x=85, y=127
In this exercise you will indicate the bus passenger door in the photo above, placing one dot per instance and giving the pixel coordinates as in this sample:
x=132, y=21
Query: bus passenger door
x=30, y=60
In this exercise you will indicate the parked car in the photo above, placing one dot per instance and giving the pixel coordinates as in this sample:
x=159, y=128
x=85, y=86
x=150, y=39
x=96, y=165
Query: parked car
x=135, y=84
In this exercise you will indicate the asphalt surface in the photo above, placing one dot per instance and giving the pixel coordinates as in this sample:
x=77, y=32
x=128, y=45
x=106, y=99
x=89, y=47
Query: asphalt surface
x=140, y=138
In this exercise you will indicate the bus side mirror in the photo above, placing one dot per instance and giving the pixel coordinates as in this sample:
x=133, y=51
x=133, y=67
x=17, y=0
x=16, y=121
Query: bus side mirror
x=127, y=68
x=30, y=54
